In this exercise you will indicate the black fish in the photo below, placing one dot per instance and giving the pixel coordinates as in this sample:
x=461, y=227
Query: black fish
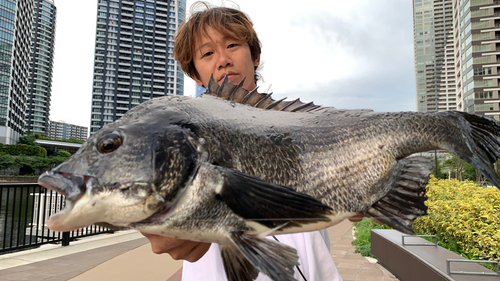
x=236, y=167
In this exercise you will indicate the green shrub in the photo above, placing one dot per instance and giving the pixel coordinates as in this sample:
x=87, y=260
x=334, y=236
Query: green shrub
x=63, y=153
x=362, y=235
x=24, y=149
x=464, y=215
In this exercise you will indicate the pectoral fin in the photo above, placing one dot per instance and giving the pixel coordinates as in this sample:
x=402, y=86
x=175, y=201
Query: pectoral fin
x=252, y=252
x=406, y=200
x=237, y=267
x=267, y=203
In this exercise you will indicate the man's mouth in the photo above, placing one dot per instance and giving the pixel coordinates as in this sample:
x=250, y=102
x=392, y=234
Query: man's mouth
x=229, y=76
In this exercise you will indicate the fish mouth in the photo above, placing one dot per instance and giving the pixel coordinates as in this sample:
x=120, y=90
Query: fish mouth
x=73, y=187
x=85, y=206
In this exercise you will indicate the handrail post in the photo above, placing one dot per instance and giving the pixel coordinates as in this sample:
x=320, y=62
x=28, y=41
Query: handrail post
x=65, y=240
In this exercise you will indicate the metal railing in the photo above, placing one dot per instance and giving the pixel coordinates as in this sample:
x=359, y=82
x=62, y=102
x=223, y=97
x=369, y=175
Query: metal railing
x=24, y=211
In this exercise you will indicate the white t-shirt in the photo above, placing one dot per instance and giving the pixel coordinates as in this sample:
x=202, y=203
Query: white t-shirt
x=313, y=249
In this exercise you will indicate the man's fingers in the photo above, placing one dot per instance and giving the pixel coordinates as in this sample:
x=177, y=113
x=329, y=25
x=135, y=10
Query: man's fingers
x=178, y=249
x=182, y=251
x=162, y=244
x=197, y=252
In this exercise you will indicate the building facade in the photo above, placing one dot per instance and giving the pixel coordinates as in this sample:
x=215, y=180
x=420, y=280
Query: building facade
x=61, y=130
x=457, y=55
x=41, y=65
x=434, y=55
x=15, y=42
x=478, y=42
x=134, y=56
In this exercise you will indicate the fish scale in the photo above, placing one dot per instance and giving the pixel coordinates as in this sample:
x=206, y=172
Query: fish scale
x=233, y=166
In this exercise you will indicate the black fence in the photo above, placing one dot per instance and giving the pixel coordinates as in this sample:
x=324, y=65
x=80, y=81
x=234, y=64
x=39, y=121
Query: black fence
x=24, y=211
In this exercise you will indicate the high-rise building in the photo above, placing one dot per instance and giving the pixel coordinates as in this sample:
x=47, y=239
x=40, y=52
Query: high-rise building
x=62, y=130
x=477, y=32
x=457, y=55
x=41, y=63
x=133, y=56
x=434, y=55
x=15, y=42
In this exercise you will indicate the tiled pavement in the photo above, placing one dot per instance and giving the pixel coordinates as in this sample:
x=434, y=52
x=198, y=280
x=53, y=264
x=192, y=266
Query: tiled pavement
x=117, y=259
x=352, y=266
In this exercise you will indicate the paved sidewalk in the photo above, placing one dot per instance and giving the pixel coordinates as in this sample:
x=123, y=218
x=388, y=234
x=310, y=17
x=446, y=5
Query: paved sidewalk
x=352, y=266
x=127, y=256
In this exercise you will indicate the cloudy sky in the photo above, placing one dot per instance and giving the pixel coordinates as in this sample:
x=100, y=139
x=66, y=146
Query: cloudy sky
x=345, y=54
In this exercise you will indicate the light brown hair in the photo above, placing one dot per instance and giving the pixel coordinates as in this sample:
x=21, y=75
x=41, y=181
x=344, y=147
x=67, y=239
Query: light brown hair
x=230, y=22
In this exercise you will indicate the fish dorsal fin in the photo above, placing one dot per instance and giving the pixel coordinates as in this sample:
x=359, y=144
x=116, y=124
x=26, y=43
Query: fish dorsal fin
x=235, y=93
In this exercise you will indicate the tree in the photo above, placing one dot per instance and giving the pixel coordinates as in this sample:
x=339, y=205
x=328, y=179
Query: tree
x=63, y=153
x=458, y=168
x=6, y=161
x=29, y=140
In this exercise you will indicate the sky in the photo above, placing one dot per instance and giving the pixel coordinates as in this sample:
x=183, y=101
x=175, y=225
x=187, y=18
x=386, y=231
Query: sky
x=345, y=54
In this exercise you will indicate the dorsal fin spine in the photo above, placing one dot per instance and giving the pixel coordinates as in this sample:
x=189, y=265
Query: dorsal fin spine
x=262, y=99
x=313, y=108
x=270, y=106
x=211, y=81
x=298, y=108
x=245, y=99
x=240, y=85
x=288, y=105
x=224, y=82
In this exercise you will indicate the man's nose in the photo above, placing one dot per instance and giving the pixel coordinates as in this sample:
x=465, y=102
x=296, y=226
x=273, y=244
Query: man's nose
x=224, y=60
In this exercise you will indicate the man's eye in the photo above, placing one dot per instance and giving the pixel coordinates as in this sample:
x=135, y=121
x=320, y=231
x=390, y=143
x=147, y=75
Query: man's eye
x=232, y=45
x=206, y=54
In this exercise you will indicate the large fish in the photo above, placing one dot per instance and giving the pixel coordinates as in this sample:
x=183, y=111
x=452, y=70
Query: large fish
x=234, y=166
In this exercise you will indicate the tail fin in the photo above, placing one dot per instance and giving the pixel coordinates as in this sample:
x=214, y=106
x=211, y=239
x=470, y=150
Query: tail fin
x=482, y=136
x=405, y=201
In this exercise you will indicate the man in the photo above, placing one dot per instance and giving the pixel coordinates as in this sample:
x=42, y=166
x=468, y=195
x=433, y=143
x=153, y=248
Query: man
x=218, y=41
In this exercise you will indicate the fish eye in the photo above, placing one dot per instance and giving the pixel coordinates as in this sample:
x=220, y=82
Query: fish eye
x=109, y=143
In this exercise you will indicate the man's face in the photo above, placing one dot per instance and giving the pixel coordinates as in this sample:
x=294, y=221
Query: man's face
x=219, y=55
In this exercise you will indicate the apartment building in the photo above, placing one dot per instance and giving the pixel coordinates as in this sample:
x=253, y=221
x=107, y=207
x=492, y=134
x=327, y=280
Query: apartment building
x=15, y=42
x=62, y=130
x=133, y=56
x=41, y=65
x=477, y=38
x=434, y=55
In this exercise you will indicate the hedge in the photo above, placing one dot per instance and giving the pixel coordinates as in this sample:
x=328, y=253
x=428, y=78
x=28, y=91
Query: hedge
x=24, y=149
x=464, y=213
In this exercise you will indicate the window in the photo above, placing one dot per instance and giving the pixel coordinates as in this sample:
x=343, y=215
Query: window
x=482, y=71
x=484, y=95
x=484, y=107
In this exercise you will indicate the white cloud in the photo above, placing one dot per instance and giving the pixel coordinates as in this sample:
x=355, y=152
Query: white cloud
x=347, y=54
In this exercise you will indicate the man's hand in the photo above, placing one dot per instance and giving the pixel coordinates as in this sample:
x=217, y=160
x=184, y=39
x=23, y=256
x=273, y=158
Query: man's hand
x=178, y=249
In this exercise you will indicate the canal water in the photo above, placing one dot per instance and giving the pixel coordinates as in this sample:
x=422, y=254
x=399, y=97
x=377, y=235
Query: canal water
x=19, y=214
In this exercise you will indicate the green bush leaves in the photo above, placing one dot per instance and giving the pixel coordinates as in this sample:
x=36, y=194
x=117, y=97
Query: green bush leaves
x=464, y=213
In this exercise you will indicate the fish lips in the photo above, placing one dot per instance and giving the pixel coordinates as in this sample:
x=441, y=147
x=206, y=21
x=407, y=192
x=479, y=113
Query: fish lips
x=73, y=187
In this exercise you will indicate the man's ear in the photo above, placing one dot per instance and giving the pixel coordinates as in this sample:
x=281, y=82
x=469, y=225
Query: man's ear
x=256, y=62
x=198, y=81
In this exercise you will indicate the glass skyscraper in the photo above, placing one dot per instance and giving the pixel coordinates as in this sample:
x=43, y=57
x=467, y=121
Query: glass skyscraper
x=478, y=40
x=133, y=56
x=434, y=55
x=41, y=64
x=457, y=55
x=15, y=42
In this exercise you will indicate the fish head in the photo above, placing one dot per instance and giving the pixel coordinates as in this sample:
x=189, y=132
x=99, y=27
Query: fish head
x=128, y=171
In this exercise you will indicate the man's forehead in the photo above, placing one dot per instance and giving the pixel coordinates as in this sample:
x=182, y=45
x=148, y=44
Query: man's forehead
x=205, y=36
